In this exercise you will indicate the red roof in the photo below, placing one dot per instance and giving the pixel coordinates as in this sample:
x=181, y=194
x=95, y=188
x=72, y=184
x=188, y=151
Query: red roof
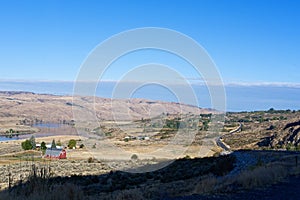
x=56, y=153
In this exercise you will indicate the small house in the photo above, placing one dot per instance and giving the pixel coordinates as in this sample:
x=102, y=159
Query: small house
x=56, y=153
x=142, y=137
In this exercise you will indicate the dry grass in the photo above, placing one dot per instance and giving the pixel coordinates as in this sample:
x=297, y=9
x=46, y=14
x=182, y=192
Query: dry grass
x=262, y=176
x=206, y=184
x=41, y=191
x=133, y=194
x=38, y=186
x=178, y=179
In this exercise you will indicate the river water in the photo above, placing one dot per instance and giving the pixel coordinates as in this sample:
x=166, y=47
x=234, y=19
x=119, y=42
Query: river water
x=45, y=130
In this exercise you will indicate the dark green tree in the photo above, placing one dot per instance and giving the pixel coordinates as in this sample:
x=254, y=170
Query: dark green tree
x=72, y=144
x=43, y=146
x=26, y=145
x=32, y=142
x=53, y=145
x=271, y=110
x=134, y=157
x=58, y=143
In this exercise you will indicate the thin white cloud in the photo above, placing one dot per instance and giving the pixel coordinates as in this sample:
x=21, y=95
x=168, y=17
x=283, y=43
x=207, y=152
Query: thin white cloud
x=192, y=81
x=275, y=84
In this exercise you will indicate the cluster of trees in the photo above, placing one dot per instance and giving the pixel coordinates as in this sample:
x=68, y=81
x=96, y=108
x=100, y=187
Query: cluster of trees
x=272, y=110
x=31, y=144
x=11, y=131
x=173, y=124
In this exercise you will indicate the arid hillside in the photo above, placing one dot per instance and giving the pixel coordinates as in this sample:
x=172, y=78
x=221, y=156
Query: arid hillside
x=272, y=129
x=25, y=108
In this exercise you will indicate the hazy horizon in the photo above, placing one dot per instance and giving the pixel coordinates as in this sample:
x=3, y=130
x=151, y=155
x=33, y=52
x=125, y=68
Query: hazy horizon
x=239, y=97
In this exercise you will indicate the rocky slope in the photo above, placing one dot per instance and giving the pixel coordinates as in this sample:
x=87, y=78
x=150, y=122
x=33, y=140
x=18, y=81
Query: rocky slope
x=288, y=134
x=273, y=129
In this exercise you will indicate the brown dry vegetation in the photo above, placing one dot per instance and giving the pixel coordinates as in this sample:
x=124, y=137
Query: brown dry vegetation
x=184, y=177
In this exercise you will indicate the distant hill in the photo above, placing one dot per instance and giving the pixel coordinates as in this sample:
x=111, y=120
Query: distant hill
x=53, y=108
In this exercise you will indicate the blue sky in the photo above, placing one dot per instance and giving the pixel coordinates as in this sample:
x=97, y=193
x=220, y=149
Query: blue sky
x=250, y=41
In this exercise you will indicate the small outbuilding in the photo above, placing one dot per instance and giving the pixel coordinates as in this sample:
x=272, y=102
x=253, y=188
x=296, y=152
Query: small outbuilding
x=56, y=153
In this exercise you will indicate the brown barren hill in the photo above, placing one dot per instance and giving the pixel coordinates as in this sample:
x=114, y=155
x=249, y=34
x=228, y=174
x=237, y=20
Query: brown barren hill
x=27, y=107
